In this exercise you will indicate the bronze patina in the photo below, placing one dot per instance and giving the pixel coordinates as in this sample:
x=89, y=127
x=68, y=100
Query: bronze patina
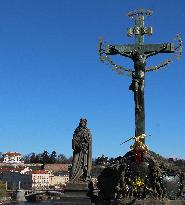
x=138, y=53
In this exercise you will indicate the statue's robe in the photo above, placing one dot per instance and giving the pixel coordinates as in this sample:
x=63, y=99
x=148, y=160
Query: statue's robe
x=82, y=155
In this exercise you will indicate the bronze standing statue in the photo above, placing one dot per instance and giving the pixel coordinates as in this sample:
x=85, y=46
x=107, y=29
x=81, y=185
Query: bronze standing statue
x=82, y=154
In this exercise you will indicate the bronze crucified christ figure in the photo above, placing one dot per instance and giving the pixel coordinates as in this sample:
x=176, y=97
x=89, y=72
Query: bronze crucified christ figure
x=138, y=53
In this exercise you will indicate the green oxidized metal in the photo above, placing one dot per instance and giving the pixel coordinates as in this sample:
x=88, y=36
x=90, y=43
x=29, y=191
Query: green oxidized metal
x=138, y=52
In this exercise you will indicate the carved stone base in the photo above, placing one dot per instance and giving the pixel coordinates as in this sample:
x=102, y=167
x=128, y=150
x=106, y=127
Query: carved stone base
x=76, y=189
x=148, y=177
x=74, y=194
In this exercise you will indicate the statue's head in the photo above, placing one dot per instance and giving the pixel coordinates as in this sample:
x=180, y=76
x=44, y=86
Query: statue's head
x=83, y=122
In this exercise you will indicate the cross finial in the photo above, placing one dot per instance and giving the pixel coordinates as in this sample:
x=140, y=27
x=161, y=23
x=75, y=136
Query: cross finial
x=140, y=12
x=139, y=30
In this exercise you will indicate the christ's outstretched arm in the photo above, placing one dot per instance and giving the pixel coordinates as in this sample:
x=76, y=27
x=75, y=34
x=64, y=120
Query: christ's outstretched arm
x=161, y=48
x=113, y=50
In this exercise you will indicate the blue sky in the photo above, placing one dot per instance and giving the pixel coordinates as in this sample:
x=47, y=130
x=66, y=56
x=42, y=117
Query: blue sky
x=50, y=76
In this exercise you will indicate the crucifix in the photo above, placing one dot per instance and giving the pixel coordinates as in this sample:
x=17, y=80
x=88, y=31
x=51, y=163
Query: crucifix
x=138, y=53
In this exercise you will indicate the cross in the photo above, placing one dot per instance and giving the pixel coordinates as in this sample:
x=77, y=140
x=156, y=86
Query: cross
x=139, y=52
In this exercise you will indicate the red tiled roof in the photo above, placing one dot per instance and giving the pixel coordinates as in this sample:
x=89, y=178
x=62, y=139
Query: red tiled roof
x=11, y=169
x=12, y=154
x=40, y=172
x=56, y=167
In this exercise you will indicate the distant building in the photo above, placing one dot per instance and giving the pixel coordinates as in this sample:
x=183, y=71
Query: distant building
x=18, y=175
x=12, y=158
x=24, y=178
x=16, y=178
x=59, y=174
x=59, y=179
x=40, y=179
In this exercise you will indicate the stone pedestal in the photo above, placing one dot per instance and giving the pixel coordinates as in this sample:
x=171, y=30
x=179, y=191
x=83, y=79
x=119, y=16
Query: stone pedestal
x=75, y=194
x=20, y=196
x=140, y=182
x=76, y=189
